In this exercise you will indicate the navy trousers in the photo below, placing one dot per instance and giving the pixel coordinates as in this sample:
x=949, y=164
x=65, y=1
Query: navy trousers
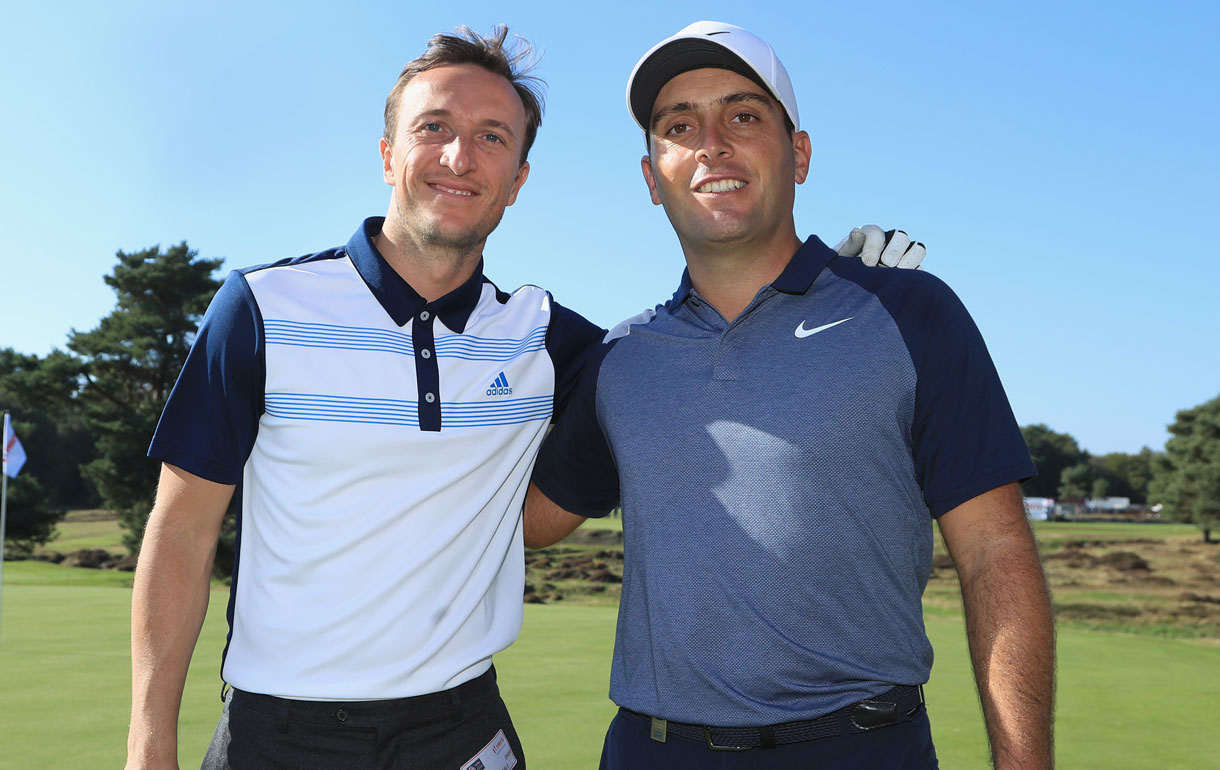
x=903, y=746
x=439, y=731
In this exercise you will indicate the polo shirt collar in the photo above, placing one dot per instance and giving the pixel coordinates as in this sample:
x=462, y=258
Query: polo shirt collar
x=396, y=296
x=797, y=277
x=805, y=265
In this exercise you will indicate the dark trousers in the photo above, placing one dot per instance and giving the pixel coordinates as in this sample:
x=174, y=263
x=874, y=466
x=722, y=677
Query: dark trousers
x=441, y=731
x=903, y=746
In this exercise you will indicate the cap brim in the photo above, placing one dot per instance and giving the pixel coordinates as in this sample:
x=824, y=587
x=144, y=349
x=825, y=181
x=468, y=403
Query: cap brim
x=674, y=58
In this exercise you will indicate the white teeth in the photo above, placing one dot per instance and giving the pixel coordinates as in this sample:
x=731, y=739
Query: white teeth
x=455, y=192
x=723, y=185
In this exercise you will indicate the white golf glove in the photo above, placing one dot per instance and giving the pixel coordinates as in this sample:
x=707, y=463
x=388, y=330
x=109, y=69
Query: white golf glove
x=892, y=248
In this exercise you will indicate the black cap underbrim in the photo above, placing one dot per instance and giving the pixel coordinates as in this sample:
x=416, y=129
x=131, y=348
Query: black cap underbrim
x=672, y=60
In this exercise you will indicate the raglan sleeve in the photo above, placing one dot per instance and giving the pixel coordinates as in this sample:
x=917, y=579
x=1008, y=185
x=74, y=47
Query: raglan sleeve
x=965, y=439
x=211, y=418
x=570, y=340
x=575, y=466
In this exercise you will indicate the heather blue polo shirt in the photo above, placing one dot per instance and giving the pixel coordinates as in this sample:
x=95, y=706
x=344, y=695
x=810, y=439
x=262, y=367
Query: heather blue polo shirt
x=779, y=475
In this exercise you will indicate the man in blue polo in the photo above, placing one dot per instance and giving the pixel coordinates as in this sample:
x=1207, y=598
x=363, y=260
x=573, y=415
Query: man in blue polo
x=376, y=409
x=777, y=523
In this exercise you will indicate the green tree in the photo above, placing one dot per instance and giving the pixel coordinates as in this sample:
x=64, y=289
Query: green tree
x=1101, y=486
x=1186, y=478
x=130, y=362
x=1126, y=475
x=39, y=392
x=1076, y=482
x=42, y=392
x=30, y=520
x=1053, y=453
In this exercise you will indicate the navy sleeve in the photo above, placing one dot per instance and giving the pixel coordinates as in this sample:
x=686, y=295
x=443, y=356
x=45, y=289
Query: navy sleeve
x=964, y=437
x=211, y=418
x=569, y=340
x=575, y=467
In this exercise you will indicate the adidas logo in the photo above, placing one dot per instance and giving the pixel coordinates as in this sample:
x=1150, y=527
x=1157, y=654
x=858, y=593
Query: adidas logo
x=500, y=387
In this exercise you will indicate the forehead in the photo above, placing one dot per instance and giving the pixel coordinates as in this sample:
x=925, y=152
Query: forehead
x=463, y=90
x=707, y=86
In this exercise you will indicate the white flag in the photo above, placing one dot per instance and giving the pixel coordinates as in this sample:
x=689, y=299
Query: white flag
x=14, y=453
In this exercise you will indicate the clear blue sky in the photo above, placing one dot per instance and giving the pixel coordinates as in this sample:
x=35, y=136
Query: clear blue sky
x=1059, y=159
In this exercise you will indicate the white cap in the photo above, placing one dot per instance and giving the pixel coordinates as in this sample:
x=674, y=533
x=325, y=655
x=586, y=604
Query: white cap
x=708, y=44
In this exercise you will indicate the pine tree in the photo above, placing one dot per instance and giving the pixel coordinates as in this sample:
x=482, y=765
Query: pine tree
x=1187, y=477
x=129, y=364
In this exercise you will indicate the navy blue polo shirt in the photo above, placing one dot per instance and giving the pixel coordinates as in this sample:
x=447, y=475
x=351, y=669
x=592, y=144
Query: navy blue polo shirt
x=382, y=445
x=779, y=475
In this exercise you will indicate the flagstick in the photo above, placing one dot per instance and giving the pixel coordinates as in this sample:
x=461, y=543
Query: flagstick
x=3, y=509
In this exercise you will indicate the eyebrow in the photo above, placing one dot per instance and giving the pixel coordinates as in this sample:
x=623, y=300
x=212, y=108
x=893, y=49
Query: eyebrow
x=734, y=98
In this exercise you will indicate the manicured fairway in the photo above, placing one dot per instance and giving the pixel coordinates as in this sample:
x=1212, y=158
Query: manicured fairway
x=1124, y=702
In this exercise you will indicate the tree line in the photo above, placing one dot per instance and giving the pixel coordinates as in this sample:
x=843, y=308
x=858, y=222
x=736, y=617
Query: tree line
x=86, y=415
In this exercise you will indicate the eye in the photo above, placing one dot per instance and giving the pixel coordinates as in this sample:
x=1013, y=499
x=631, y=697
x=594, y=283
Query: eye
x=493, y=138
x=677, y=129
x=745, y=117
x=432, y=127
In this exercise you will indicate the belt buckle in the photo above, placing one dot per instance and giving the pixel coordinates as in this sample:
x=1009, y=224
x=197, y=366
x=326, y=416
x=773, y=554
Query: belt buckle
x=707, y=738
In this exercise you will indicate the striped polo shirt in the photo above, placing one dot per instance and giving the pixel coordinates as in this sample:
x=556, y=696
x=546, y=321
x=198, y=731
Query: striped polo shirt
x=779, y=475
x=381, y=446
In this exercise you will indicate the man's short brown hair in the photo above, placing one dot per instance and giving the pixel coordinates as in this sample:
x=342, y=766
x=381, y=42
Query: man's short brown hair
x=490, y=53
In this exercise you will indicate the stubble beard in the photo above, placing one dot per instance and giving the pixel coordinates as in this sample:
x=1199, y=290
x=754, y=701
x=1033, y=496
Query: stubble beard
x=431, y=237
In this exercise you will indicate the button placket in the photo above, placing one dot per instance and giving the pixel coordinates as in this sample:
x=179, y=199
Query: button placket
x=427, y=373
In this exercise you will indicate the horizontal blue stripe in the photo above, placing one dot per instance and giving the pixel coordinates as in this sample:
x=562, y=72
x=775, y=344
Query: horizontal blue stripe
x=445, y=423
x=356, y=409
x=457, y=346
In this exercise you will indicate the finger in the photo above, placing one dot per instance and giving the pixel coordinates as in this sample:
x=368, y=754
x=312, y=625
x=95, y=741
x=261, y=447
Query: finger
x=896, y=245
x=913, y=256
x=850, y=245
x=874, y=243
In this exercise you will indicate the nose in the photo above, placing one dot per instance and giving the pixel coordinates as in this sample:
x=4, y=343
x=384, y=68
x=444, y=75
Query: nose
x=713, y=144
x=457, y=156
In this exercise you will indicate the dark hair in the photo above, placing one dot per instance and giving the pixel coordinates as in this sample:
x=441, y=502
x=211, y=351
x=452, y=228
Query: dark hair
x=469, y=47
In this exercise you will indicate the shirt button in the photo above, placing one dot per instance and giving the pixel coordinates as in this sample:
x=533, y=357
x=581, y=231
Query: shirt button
x=429, y=397
x=424, y=316
x=341, y=715
x=426, y=353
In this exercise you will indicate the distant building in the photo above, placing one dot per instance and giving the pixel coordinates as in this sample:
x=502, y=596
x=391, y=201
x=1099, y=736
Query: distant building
x=1040, y=508
x=1108, y=504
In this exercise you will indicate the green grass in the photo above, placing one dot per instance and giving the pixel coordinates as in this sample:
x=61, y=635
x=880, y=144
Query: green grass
x=86, y=529
x=1125, y=703
x=1052, y=534
x=38, y=573
x=606, y=522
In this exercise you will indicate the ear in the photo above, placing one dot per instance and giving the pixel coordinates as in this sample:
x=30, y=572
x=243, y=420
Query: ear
x=646, y=167
x=803, y=149
x=387, y=161
x=523, y=173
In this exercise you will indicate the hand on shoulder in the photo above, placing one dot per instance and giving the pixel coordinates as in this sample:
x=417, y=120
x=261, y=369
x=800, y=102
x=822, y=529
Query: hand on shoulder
x=891, y=248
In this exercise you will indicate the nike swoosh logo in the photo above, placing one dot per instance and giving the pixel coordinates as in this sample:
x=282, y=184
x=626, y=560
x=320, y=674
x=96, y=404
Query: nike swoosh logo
x=801, y=332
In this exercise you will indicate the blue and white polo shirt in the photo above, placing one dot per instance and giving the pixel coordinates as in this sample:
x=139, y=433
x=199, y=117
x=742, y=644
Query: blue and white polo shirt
x=382, y=446
x=779, y=474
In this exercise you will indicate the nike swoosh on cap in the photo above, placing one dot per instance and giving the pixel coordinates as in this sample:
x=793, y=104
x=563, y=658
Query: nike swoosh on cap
x=802, y=332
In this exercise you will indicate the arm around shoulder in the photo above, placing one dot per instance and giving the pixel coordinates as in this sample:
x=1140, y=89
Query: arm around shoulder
x=169, y=600
x=1008, y=623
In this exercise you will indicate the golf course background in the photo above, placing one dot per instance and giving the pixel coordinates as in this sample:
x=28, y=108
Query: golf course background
x=1125, y=700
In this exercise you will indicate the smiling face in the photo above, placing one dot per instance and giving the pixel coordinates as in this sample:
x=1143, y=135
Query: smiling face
x=722, y=161
x=454, y=159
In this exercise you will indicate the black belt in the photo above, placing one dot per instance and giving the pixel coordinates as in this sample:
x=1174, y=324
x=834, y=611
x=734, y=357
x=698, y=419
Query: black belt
x=888, y=708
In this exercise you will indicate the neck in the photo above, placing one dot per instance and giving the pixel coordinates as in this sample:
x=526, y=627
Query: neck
x=729, y=277
x=431, y=270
